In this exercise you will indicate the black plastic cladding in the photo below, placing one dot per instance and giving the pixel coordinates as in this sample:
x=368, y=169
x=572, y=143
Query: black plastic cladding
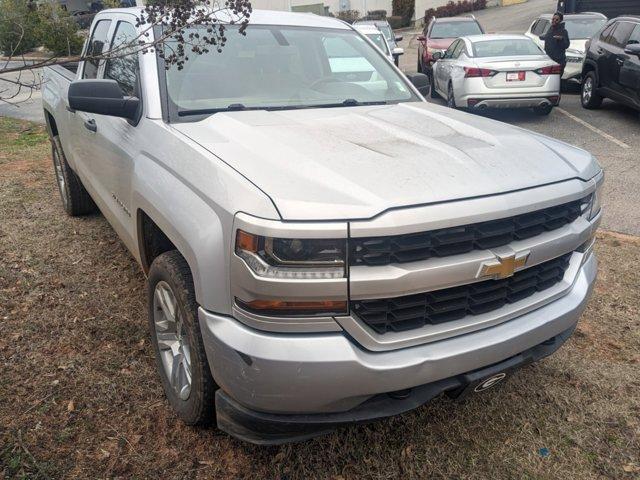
x=462, y=239
x=439, y=306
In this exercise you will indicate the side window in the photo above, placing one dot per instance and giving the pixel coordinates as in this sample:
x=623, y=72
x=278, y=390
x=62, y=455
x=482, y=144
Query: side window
x=535, y=28
x=96, y=45
x=635, y=35
x=621, y=34
x=451, y=49
x=458, y=50
x=544, y=26
x=124, y=68
x=604, y=36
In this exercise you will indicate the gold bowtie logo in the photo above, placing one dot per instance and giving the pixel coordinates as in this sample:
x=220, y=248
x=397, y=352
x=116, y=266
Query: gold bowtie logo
x=503, y=267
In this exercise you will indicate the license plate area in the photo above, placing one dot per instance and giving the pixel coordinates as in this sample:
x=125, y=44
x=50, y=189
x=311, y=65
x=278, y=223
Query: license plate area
x=516, y=76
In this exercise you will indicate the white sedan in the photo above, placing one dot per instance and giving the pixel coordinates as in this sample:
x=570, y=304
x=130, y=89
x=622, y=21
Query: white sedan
x=498, y=71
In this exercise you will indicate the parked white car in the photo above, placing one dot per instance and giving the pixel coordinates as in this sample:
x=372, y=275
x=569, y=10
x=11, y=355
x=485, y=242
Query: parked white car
x=377, y=37
x=581, y=27
x=500, y=71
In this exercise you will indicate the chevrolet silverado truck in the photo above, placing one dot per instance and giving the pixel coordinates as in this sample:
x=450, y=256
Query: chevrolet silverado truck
x=322, y=245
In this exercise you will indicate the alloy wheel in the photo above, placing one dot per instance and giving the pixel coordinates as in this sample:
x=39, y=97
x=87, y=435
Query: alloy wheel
x=587, y=90
x=172, y=341
x=451, y=101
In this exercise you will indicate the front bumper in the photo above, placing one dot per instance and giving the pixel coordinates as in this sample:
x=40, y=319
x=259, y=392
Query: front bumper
x=327, y=373
x=274, y=429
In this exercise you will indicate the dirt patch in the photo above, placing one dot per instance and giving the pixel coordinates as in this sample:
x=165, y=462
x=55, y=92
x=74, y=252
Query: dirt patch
x=80, y=398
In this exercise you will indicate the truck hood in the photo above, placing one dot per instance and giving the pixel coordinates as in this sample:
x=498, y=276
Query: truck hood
x=356, y=162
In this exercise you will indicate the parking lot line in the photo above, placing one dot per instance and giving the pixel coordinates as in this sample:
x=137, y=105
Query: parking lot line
x=611, y=138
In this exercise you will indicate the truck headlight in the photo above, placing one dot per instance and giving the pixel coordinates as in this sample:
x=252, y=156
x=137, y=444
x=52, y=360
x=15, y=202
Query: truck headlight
x=596, y=199
x=294, y=258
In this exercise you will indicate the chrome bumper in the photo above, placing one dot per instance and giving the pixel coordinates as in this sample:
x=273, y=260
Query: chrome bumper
x=328, y=372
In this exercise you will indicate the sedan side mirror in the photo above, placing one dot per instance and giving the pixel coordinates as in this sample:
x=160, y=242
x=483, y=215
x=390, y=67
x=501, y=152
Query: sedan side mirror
x=632, y=49
x=400, y=37
x=104, y=97
x=420, y=81
x=397, y=51
x=437, y=56
x=422, y=38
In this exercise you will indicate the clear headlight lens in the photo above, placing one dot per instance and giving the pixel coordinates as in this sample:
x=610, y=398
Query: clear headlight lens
x=596, y=199
x=294, y=258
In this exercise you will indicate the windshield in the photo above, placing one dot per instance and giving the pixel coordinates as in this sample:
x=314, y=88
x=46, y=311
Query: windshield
x=378, y=39
x=505, y=48
x=275, y=67
x=454, y=29
x=580, y=28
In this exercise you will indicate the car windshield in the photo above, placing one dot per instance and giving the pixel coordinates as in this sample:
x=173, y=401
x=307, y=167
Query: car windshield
x=454, y=29
x=275, y=67
x=580, y=28
x=505, y=48
x=378, y=39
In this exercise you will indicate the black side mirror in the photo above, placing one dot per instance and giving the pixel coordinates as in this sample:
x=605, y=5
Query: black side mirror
x=399, y=38
x=437, y=56
x=420, y=81
x=632, y=49
x=104, y=97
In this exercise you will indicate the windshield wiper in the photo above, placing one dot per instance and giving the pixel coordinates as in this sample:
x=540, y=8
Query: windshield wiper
x=239, y=107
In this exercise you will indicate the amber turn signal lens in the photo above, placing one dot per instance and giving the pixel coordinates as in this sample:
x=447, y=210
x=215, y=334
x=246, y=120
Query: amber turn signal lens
x=247, y=242
x=325, y=306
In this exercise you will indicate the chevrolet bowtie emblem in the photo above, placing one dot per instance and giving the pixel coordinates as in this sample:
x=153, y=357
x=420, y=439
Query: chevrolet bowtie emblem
x=503, y=266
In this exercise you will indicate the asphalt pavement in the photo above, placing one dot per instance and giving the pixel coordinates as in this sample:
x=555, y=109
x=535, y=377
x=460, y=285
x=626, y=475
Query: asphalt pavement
x=21, y=102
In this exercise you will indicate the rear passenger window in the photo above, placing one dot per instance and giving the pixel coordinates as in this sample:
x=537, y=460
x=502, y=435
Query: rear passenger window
x=542, y=27
x=604, y=36
x=124, y=69
x=621, y=34
x=96, y=45
x=538, y=27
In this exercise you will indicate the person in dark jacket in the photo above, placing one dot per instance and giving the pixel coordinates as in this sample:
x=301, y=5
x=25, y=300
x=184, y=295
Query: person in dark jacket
x=556, y=40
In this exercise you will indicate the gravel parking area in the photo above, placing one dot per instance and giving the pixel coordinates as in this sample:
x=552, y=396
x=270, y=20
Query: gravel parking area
x=80, y=397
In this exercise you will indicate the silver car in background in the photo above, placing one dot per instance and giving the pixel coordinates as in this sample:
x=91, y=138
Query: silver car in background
x=499, y=71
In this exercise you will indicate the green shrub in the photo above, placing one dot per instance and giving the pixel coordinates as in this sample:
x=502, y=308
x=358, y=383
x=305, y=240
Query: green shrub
x=348, y=16
x=395, y=22
x=18, y=26
x=58, y=31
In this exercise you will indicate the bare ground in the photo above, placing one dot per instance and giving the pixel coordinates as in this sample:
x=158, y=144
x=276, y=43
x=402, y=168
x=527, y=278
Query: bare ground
x=80, y=398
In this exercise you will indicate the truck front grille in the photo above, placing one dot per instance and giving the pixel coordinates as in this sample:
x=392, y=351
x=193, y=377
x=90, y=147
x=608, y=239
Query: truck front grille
x=456, y=240
x=439, y=306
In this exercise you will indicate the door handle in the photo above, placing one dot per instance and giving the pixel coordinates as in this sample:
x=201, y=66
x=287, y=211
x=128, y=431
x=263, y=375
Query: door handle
x=600, y=51
x=91, y=125
x=619, y=61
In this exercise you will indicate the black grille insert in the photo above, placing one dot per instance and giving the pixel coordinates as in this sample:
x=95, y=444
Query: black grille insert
x=456, y=240
x=439, y=306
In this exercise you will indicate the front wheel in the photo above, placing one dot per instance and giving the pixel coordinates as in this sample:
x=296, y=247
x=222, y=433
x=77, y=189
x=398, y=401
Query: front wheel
x=175, y=335
x=589, y=96
x=432, y=87
x=75, y=199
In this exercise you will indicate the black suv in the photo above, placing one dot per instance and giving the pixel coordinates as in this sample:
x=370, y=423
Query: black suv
x=612, y=65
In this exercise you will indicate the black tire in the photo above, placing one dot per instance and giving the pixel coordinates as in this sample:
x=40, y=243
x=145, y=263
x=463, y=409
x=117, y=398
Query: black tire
x=589, y=96
x=199, y=408
x=76, y=200
x=419, y=66
x=451, y=99
x=543, y=110
x=432, y=88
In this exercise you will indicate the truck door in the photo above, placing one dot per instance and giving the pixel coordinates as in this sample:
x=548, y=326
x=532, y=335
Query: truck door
x=630, y=70
x=79, y=141
x=117, y=140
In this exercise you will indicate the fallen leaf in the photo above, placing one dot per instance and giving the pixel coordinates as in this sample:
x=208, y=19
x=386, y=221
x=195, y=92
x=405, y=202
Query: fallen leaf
x=71, y=406
x=631, y=468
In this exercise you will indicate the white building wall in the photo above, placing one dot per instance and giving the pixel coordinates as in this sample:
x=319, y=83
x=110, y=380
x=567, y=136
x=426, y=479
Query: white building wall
x=335, y=6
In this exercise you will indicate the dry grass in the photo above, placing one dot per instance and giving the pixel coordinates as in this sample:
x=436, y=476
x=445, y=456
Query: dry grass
x=79, y=395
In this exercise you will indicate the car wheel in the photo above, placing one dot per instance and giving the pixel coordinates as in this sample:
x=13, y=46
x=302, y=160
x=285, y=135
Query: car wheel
x=177, y=341
x=589, y=97
x=75, y=199
x=543, y=110
x=451, y=99
x=432, y=87
x=419, y=67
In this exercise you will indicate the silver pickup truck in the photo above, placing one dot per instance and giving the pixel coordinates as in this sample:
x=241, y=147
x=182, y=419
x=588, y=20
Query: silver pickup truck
x=322, y=246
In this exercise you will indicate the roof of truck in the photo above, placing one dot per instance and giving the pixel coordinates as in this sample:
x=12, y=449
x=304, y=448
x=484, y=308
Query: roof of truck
x=262, y=17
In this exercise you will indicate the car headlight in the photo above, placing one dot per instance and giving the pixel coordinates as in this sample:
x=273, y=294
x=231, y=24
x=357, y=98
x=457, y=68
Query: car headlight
x=592, y=205
x=294, y=258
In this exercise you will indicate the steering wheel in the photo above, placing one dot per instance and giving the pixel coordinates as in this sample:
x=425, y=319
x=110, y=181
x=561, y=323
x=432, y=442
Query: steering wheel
x=322, y=80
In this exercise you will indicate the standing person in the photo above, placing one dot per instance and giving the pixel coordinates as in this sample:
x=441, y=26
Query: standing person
x=556, y=41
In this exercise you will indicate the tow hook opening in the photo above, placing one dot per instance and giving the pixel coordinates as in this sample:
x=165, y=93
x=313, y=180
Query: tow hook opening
x=400, y=394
